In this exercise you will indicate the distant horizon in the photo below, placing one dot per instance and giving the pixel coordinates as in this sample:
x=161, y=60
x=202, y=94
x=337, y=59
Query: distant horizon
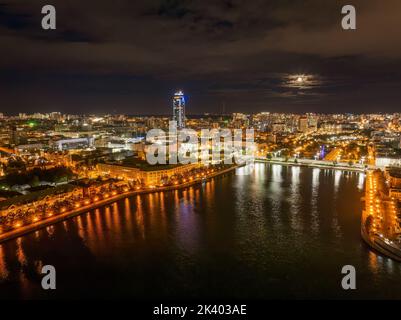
x=165, y=115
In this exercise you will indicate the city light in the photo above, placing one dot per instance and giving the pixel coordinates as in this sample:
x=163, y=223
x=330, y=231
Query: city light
x=175, y=152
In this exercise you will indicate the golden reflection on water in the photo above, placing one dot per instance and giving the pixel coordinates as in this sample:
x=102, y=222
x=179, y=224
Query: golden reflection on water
x=20, y=252
x=143, y=216
x=161, y=202
x=115, y=214
x=80, y=228
x=3, y=268
x=210, y=193
x=139, y=216
x=128, y=215
x=335, y=224
x=89, y=228
x=176, y=201
x=39, y=265
x=107, y=215
x=50, y=230
x=181, y=215
x=151, y=210
x=314, y=200
x=373, y=264
x=151, y=199
x=21, y=257
x=191, y=193
x=90, y=233
x=187, y=231
x=361, y=181
x=99, y=222
x=161, y=209
x=295, y=199
x=65, y=226
x=337, y=177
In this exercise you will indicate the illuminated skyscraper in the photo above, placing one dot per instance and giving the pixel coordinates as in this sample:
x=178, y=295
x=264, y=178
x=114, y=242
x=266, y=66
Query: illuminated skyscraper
x=179, y=109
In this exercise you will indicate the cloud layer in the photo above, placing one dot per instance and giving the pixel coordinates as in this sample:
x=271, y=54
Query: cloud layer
x=129, y=56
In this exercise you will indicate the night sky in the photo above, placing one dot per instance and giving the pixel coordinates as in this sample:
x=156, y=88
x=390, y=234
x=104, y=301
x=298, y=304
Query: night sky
x=129, y=56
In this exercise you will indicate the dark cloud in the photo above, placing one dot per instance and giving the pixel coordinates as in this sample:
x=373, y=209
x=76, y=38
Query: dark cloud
x=13, y=20
x=129, y=56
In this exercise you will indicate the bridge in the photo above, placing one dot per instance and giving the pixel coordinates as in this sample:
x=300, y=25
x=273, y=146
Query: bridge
x=317, y=163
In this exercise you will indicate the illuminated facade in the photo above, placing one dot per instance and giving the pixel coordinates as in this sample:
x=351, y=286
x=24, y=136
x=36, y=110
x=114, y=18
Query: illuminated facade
x=179, y=109
x=150, y=177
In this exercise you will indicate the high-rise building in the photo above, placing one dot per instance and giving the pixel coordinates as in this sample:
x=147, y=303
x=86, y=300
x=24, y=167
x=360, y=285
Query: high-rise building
x=179, y=109
x=303, y=125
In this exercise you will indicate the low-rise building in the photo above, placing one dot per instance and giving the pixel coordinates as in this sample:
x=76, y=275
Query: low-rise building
x=151, y=177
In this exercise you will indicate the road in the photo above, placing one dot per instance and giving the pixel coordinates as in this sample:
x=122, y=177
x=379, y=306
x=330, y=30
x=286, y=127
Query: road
x=6, y=150
x=333, y=155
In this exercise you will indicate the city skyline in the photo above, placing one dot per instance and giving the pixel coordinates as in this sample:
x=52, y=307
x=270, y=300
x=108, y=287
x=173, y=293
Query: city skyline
x=167, y=114
x=89, y=184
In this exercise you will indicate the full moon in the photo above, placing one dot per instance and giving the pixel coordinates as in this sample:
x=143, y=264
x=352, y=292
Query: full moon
x=301, y=81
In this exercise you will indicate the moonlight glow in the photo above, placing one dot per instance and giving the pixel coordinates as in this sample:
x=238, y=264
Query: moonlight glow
x=302, y=81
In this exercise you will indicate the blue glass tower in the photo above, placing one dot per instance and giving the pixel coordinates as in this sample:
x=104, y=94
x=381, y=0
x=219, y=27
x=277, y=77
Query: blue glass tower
x=179, y=109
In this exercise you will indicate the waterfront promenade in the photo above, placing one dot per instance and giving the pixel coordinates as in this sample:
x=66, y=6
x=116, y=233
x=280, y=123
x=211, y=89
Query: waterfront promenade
x=31, y=227
x=379, y=225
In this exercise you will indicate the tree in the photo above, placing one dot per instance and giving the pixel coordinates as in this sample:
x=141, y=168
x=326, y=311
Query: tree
x=15, y=165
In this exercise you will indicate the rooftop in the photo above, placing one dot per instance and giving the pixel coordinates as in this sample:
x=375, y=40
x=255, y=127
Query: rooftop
x=395, y=172
x=143, y=165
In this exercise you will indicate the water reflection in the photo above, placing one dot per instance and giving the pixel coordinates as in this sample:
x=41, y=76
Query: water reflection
x=361, y=181
x=337, y=177
x=279, y=232
x=276, y=172
x=295, y=200
x=314, y=200
x=3, y=267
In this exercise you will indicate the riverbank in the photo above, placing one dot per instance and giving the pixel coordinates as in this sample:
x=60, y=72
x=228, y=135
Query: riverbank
x=378, y=229
x=23, y=230
x=378, y=244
